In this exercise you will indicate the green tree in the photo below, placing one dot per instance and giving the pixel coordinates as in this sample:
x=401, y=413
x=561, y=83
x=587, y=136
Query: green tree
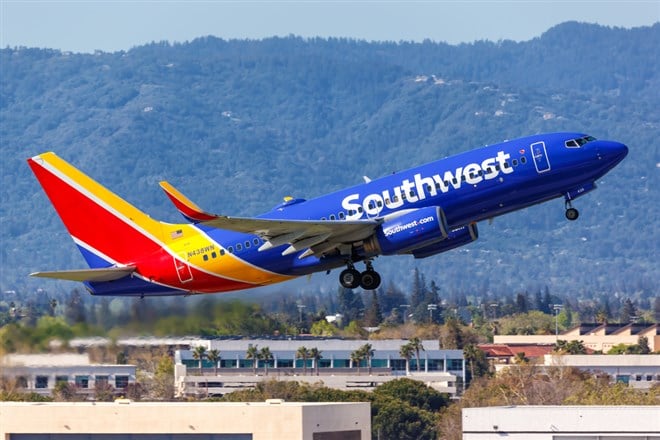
x=214, y=356
x=373, y=317
x=414, y=393
x=253, y=354
x=406, y=351
x=199, y=353
x=367, y=353
x=323, y=328
x=265, y=356
x=317, y=355
x=396, y=420
x=303, y=353
x=417, y=346
x=163, y=383
x=476, y=360
x=357, y=357
x=570, y=347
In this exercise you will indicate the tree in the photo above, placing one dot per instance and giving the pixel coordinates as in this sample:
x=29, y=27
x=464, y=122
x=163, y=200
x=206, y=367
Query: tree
x=417, y=346
x=477, y=360
x=570, y=347
x=628, y=311
x=199, y=353
x=406, y=351
x=452, y=335
x=315, y=354
x=253, y=353
x=265, y=356
x=214, y=356
x=163, y=383
x=373, y=316
x=356, y=358
x=367, y=353
x=303, y=353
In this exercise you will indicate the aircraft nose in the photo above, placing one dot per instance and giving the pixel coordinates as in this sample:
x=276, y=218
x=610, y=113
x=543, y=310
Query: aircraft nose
x=612, y=151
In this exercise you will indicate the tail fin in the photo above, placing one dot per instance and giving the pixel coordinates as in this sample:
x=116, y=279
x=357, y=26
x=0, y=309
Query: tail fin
x=108, y=230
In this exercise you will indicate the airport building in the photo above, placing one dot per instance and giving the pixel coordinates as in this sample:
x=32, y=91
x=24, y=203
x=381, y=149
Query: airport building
x=335, y=368
x=126, y=420
x=40, y=373
x=596, y=337
x=562, y=423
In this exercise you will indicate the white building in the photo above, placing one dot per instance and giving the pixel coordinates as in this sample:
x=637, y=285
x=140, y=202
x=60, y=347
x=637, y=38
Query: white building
x=40, y=373
x=437, y=368
x=125, y=420
x=562, y=423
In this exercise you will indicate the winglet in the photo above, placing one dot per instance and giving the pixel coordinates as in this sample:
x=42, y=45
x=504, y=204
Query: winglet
x=186, y=207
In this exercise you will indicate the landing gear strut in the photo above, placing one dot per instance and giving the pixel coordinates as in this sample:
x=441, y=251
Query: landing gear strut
x=571, y=213
x=350, y=278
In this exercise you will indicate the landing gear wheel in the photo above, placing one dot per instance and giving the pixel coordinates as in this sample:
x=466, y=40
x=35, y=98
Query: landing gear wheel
x=572, y=214
x=349, y=278
x=369, y=280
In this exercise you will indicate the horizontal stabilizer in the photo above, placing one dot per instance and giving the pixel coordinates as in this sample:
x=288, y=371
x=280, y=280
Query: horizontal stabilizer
x=102, y=274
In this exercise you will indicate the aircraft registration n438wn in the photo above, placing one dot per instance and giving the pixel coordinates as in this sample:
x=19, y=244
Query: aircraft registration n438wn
x=419, y=212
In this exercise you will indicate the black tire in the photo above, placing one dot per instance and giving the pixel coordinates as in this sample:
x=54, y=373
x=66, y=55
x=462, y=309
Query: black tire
x=349, y=278
x=369, y=280
x=572, y=214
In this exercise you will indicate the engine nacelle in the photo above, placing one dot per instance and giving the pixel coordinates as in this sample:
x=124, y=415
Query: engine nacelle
x=457, y=237
x=401, y=234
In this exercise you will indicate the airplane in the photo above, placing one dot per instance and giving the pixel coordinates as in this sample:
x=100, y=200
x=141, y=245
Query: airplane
x=422, y=211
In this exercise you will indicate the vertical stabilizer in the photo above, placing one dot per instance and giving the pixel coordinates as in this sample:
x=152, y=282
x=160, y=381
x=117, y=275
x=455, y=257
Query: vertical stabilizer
x=107, y=229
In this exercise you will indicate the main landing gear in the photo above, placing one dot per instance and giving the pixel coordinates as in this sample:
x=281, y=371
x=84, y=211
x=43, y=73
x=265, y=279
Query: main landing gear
x=571, y=213
x=351, y=278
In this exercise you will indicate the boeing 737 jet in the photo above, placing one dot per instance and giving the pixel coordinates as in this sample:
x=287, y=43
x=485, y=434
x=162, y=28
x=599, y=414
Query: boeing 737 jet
x=419, y=212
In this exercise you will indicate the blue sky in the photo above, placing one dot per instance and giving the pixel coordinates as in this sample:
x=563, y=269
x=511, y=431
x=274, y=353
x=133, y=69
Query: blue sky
x=85, y=26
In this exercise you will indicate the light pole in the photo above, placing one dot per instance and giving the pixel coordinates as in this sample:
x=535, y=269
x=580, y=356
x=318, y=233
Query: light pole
x=300, y=310
x=431, y=308
x=405, y=308
x=557, y=308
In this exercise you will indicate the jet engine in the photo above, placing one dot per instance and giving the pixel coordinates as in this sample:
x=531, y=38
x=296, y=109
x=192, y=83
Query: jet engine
x=411, y=230
x=456, y=237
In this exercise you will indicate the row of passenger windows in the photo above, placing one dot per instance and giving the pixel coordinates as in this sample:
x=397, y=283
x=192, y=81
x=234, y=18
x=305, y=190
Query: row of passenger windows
x=238, y=247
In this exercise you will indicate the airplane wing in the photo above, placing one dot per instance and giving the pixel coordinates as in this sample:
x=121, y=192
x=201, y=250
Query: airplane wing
x=316, y=236
x=102, y=274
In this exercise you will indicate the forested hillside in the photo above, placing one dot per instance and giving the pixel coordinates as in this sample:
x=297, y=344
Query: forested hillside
x=237, y=125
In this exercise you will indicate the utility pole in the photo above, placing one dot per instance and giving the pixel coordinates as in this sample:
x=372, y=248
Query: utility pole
x=431, y=308
x=557, y=308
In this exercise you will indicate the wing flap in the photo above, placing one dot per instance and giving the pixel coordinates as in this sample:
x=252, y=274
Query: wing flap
x=102, y=274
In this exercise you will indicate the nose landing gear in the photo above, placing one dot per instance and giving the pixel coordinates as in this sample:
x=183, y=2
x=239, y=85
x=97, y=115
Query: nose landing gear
x=351, y=278
x=571, y=213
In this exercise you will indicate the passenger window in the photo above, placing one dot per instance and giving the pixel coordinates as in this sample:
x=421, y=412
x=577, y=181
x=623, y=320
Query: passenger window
x=523, y=160
x=515, y=162
x=239, y=247
x=230, y=249
x=323, y=218
x=341, y=215
x=256, y=242
x=360, y=209
x=379, y=204
x=222, y=252
x=247, y=244
x=214, y=255
x=332, y=216
x=205, y=257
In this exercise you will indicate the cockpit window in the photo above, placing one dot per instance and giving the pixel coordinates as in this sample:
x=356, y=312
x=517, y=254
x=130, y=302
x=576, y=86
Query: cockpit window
x=577, y=143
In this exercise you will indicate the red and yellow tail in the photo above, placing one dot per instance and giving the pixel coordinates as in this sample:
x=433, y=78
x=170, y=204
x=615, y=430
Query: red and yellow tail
x=108, y=230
